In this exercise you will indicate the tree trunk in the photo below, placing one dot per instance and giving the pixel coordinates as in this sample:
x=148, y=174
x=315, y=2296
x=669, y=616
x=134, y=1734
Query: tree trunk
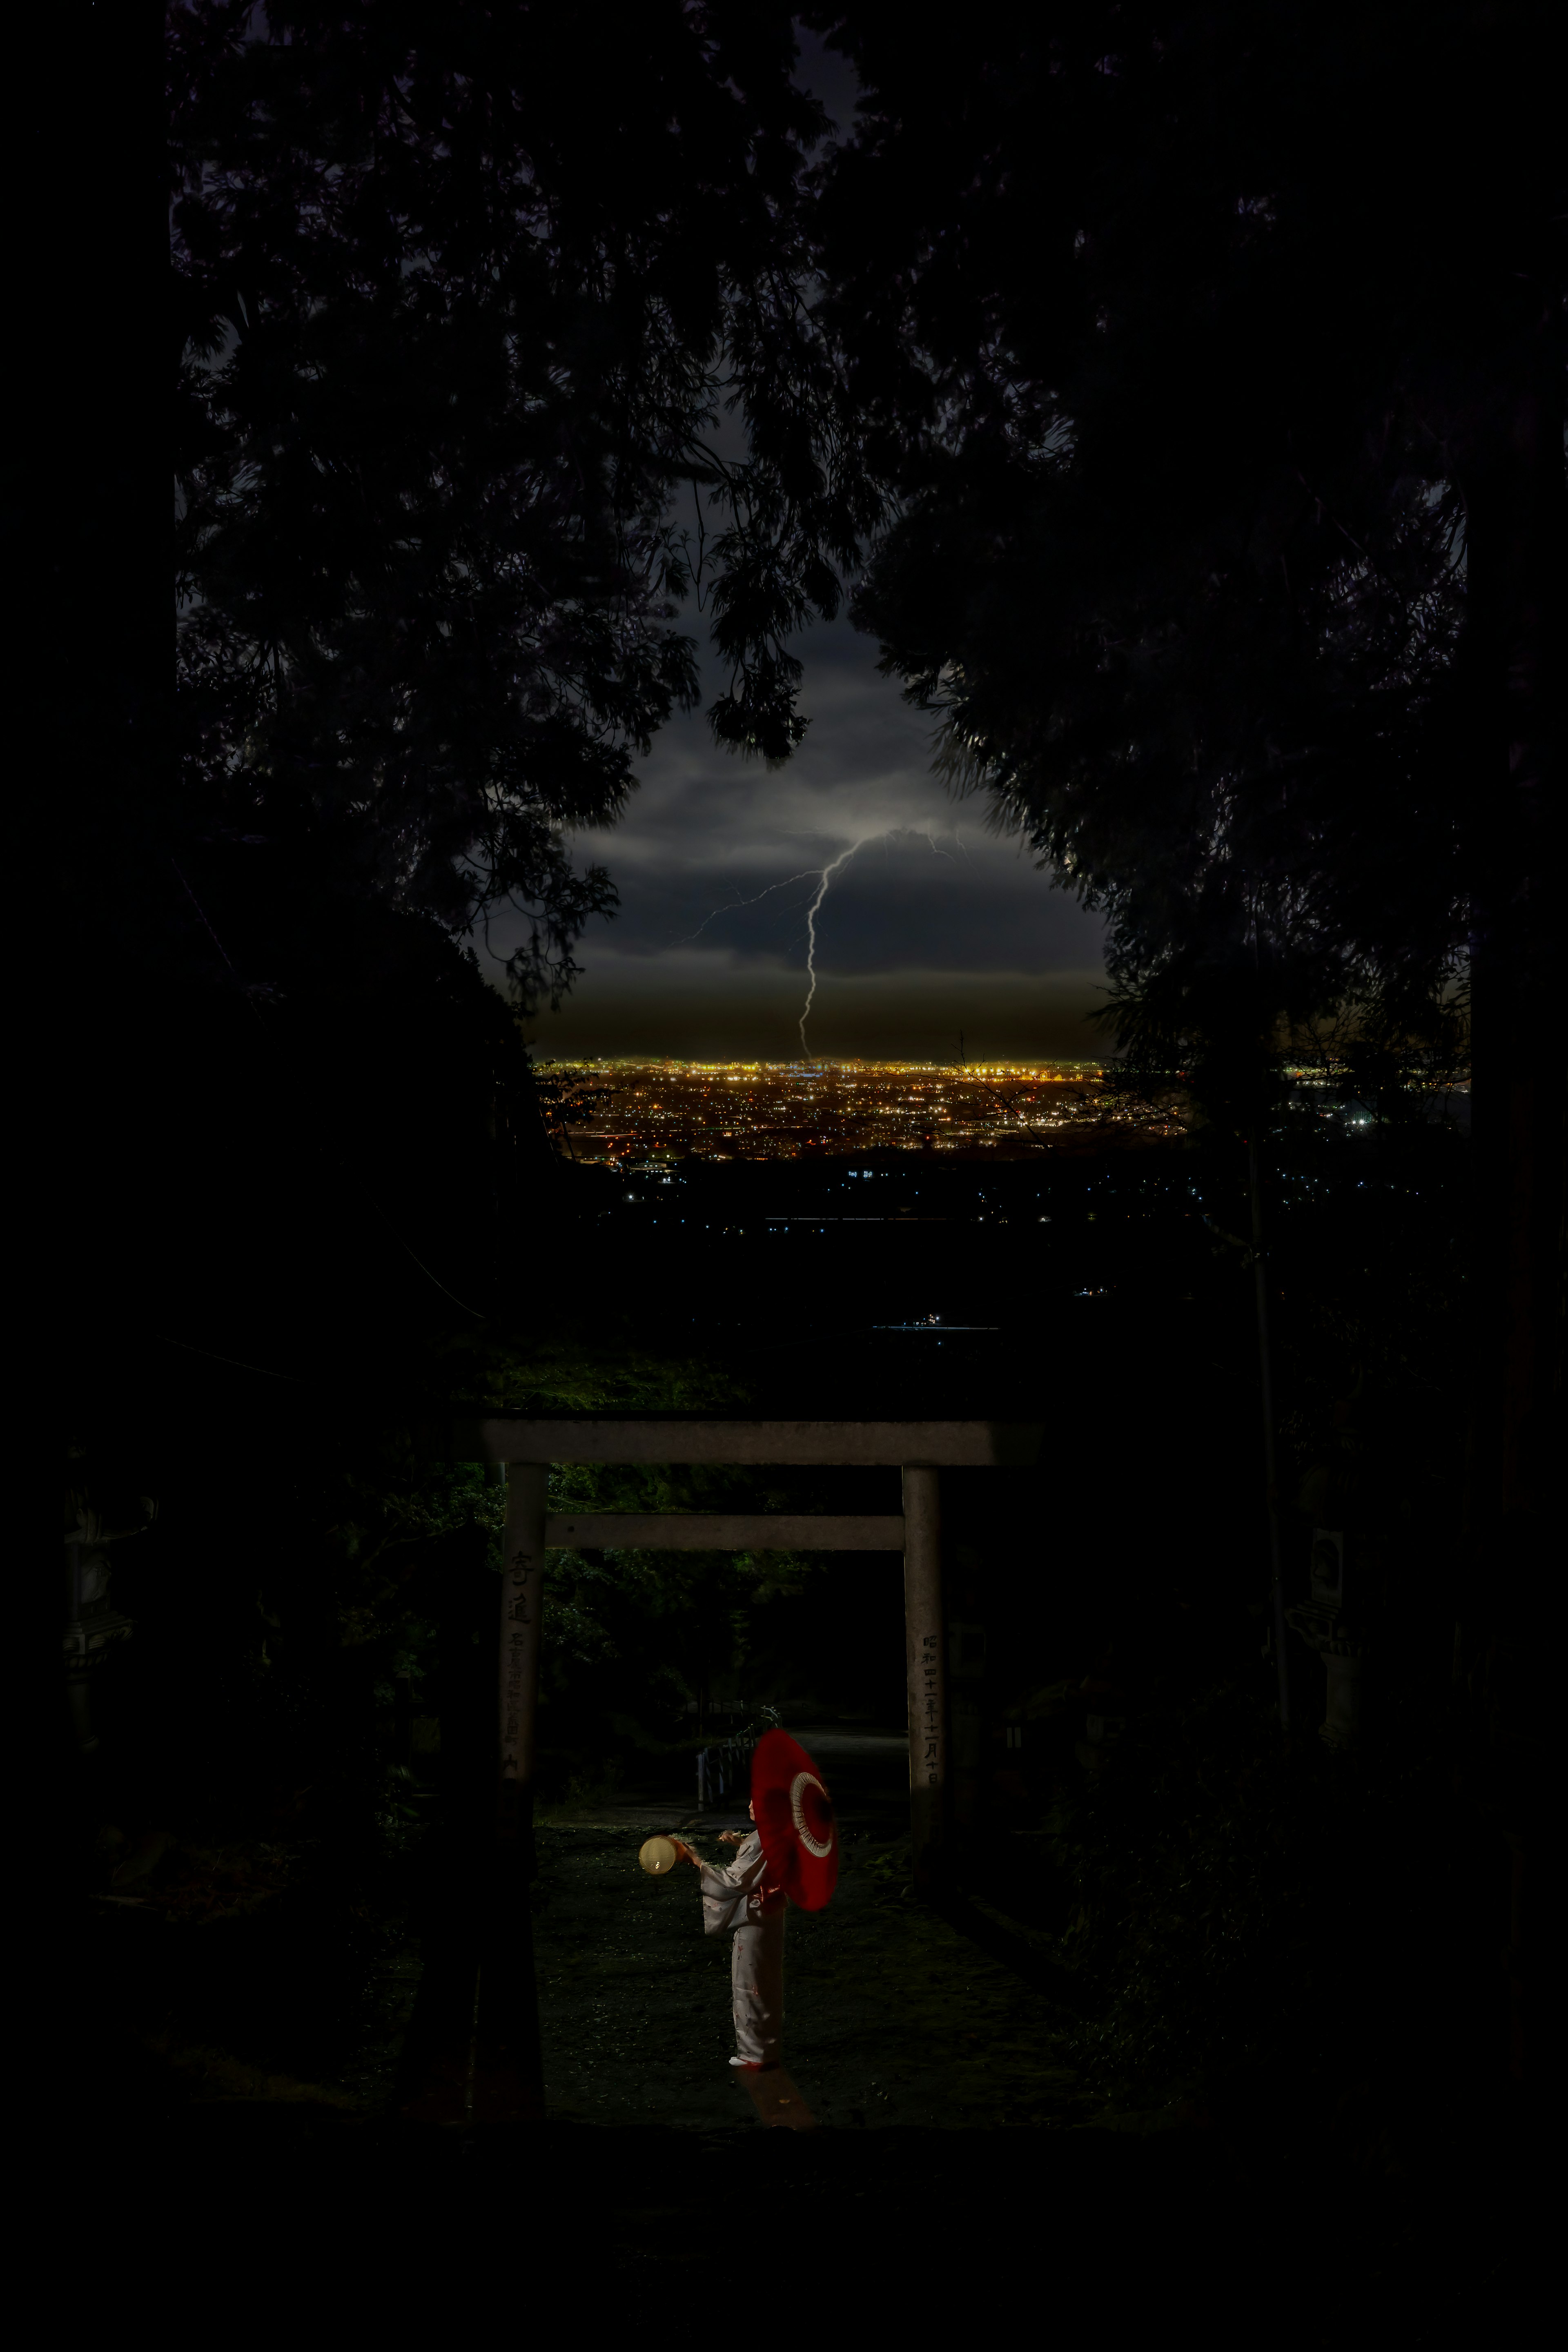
x=1510, y=471
x=1271, y=1472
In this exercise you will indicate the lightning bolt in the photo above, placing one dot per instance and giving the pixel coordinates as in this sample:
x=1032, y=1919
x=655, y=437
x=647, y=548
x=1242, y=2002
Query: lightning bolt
x=827, y=873
x=822, y=875
x=736, y=904
x=922, y=834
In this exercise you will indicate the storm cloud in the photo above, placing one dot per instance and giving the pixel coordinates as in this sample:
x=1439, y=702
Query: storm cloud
x=936, y=925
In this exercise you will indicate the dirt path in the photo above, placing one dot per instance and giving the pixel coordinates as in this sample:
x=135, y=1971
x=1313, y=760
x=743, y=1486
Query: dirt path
x=892, y=2016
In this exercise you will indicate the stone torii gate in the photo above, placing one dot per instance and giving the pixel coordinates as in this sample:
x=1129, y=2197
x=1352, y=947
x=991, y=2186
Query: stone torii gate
x=920, y=1449
x=478, y=2061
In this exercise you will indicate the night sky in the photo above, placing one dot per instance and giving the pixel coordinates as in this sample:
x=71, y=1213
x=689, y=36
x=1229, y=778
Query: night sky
x=937, y=924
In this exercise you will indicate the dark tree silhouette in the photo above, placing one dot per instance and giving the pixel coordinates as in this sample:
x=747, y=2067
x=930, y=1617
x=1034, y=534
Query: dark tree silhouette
x=1216, y=359
x=493, y=347
x=464, y=293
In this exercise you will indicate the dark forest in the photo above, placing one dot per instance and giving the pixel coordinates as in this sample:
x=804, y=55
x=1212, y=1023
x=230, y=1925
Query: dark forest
x=1174, y=398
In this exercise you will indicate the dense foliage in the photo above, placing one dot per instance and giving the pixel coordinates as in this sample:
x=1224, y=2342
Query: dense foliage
x=464, y=297
x=1232, y=558
x=1208, y=448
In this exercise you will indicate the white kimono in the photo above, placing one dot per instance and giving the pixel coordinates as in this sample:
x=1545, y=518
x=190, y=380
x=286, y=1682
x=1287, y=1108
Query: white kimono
x=737, y=1899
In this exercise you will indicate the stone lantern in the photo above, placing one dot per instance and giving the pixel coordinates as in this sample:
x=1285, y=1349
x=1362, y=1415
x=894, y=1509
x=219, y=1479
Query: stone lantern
x=1340, y=1638
x=93, y=1629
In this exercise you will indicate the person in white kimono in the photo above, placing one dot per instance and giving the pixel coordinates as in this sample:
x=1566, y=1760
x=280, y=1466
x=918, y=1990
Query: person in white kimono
x=743, y=1900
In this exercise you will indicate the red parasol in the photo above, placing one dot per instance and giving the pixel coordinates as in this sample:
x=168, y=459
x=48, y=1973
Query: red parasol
x=794, y=1820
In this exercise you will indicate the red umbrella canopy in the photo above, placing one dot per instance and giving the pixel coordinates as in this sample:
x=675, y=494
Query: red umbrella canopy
x=795, y=1820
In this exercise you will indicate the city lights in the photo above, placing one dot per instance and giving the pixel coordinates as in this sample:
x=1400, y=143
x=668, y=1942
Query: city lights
x=627, y=1113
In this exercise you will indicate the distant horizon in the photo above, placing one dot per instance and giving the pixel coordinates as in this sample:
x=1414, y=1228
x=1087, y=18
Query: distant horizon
x=703, y=1004
x=978, y=1063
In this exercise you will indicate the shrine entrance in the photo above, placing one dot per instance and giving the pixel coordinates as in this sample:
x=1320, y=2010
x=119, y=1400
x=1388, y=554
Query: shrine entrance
x=499, y=2079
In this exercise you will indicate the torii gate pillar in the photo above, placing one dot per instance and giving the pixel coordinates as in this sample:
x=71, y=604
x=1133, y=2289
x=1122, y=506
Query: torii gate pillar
x=924, y=1643
x=522, y=1607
